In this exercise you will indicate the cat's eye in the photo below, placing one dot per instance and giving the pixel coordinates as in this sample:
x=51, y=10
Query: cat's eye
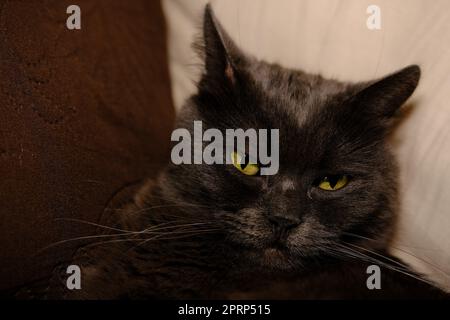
x=247, y=168
x=333, y=182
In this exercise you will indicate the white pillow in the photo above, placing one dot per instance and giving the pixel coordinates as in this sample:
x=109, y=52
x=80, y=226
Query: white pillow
x=331, y=37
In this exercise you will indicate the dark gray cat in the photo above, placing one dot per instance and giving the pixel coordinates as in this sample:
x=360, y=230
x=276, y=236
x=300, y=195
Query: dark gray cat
x=209, y=231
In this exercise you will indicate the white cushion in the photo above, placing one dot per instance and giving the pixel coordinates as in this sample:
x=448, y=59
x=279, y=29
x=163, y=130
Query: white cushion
x=331, y=37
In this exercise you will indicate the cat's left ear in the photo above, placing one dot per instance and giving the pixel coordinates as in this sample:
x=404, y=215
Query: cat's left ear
x=220, y=53
x=382, y=98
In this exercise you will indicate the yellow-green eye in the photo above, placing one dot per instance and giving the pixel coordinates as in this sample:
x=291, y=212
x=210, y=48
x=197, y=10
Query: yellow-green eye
x=333, y=183
x=249, y=169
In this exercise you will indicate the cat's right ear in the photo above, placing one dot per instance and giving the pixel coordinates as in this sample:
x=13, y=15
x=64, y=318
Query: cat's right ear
x=220, y=53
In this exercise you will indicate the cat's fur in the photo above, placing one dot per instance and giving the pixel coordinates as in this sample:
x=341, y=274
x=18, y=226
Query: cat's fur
x=213, y=232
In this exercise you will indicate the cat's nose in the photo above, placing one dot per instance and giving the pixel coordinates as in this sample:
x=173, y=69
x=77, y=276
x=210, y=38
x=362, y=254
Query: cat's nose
x=283, y=223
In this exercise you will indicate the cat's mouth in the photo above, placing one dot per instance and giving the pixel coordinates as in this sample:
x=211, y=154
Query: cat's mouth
x=277, y=244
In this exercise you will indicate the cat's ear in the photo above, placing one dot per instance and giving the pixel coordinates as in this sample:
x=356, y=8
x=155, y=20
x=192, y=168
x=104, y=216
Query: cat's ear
x=220, y=53
x=382, y=98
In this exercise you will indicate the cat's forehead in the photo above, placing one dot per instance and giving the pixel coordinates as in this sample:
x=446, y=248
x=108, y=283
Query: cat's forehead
x=274, y=78
x=296, y=92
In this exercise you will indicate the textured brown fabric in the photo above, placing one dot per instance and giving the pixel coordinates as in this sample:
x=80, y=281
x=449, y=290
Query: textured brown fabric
x=82, y=114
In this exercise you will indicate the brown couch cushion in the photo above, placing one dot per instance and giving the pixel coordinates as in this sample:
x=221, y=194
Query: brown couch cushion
x=82, y=114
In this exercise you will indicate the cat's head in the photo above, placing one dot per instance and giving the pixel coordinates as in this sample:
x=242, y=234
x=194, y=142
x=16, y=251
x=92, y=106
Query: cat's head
x=337, y=179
